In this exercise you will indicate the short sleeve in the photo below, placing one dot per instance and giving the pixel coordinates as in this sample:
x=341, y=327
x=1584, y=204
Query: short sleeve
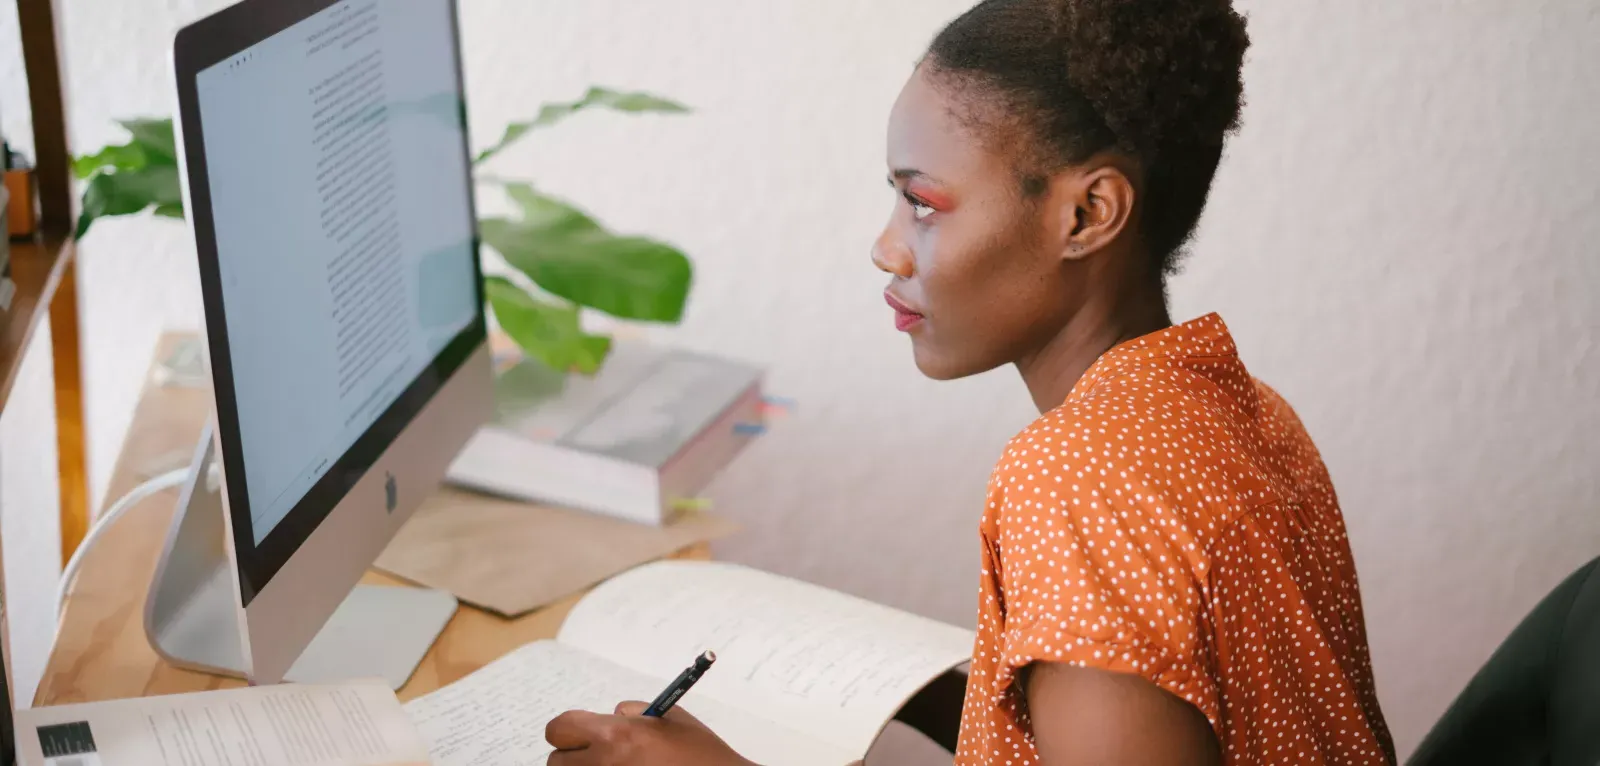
x=1097, y=578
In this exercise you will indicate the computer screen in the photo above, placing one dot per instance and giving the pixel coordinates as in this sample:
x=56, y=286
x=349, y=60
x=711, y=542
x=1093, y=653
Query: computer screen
x=338, y=185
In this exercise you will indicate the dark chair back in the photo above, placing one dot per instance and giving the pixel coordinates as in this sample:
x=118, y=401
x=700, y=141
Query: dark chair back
x=1536, y=702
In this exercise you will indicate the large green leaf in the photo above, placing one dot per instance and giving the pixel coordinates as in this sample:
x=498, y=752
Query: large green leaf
x=117, y=157
x=125, y=192
x=156, y=136
x=548, y=332
x=151, y=143
x=550, y=114
x=567, y=254
x=542, y=211
x=139, y=175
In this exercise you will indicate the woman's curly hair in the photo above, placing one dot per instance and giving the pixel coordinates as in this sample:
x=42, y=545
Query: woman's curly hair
x=1157, y=80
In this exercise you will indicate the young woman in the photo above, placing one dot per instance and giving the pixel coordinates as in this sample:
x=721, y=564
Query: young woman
x=1166, y=578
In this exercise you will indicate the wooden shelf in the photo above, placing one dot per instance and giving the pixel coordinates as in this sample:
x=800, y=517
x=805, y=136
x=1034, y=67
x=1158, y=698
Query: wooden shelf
x=37, y=268
x=44, y=270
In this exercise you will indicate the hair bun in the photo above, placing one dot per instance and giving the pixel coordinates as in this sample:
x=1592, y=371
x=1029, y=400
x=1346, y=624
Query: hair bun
x=1161, y=73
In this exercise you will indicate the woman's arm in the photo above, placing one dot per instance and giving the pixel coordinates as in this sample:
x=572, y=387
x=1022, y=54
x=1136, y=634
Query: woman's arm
x=1089, y=716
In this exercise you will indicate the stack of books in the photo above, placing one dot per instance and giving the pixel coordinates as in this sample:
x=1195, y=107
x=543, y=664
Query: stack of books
x=638, y=440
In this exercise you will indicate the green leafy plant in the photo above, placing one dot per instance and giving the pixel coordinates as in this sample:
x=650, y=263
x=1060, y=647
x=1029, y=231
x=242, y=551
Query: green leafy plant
x=573, y=261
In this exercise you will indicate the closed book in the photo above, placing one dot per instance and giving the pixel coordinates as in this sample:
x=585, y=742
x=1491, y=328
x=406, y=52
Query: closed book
x=636, y=440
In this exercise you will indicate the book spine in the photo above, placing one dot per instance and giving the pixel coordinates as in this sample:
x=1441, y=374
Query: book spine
x=706, y=455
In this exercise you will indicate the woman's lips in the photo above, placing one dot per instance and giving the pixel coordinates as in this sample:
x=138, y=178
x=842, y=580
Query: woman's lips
x=904, y=317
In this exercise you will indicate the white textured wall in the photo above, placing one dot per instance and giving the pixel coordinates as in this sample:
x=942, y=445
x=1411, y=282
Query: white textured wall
x=30, y=499
x=1401, y=239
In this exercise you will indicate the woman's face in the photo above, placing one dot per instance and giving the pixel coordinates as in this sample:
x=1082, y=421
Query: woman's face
x=978, y=275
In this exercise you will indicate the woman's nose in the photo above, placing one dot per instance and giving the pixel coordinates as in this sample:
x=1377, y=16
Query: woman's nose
x=892, y=256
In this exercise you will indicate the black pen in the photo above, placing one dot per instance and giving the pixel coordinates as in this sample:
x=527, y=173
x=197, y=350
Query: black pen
x=680, y=687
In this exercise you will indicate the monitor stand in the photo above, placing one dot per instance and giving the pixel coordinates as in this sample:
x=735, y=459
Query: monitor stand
x=191, y=616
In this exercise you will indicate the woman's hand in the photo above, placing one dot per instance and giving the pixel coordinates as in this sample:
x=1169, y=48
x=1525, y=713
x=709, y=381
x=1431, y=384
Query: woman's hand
x=582, y=738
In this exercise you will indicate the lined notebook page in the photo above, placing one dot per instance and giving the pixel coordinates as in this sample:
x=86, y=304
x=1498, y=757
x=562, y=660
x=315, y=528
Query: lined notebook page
x=497, y=715
x=832, y=665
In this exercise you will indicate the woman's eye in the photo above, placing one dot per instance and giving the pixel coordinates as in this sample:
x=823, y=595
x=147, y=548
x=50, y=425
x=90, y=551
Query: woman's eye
x=919, y=209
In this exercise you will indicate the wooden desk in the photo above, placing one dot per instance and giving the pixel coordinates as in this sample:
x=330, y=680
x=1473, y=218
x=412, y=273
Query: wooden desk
x=101, y=651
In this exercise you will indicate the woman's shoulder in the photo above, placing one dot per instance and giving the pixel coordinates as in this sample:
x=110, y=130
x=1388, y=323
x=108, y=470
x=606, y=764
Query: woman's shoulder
x=1124, y=424
x=1164, y=456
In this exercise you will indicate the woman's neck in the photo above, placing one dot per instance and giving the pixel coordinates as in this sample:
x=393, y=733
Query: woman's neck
x=1052, y=371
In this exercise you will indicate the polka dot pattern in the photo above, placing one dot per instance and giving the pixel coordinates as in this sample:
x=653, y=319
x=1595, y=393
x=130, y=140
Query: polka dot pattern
x=1173, y=519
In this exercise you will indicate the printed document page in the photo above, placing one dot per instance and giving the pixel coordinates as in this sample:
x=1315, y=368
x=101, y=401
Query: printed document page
x=358, y=724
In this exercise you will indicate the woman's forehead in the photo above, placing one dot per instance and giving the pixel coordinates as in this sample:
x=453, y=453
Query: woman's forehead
x=938, y=130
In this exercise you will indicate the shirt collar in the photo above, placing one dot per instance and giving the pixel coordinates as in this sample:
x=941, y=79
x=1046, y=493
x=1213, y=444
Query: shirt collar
x=1205, y=336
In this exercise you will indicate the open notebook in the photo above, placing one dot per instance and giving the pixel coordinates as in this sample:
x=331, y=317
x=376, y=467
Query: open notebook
x=804, y=675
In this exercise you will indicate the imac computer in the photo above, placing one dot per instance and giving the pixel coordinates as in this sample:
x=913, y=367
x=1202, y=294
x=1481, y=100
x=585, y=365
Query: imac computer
x=323, y=155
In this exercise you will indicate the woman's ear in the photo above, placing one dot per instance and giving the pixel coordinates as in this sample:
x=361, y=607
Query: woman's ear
x=1096, y=205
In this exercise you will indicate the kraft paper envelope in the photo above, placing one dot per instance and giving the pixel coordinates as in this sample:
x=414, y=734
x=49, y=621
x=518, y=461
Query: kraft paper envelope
x=511, y=557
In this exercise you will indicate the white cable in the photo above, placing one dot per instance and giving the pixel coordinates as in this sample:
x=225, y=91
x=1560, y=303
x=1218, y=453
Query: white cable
x=160, y=483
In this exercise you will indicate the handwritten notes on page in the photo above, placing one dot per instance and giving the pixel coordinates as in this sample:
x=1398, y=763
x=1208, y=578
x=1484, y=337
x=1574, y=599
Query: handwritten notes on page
x=497, y=715
x=833, y=665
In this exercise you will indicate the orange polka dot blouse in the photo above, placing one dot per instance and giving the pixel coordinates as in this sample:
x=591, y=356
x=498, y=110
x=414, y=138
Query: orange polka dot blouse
x=1173, y=519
